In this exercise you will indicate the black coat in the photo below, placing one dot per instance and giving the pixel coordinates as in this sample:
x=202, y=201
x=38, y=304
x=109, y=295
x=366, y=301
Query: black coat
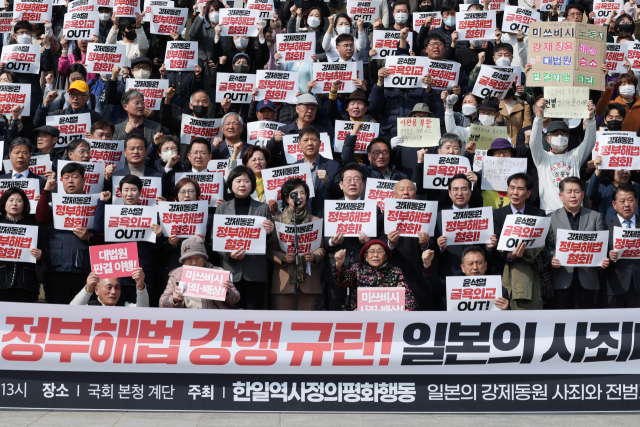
x=620, y=274
x=18, y=275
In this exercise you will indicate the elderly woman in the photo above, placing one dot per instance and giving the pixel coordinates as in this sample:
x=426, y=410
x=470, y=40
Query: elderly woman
x=194, y=255
x=374, y=270
x=285, y=270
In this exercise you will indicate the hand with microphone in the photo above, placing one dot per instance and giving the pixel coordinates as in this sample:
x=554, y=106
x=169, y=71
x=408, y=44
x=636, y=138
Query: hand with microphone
x=296, y=200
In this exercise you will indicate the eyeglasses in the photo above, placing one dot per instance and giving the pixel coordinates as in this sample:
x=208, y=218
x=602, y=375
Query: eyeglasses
x=77, y=95
x=346, y=46
x=375, y=251
x=309, y=107
x=187, y=192
x=137, y=103
x=199, y=153
x=257, y=159
x=380, y=153
x=353, y=180
x=575, y=15
x=435, y=44
x=82, y=152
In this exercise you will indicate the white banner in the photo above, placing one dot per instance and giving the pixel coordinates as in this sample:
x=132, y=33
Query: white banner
x=616, y=53
x=528, y=229
x=181, y=56
x=129, y=223
x=379, y=190
x=309, y=237
x=239, y=232
x=153, y=90
x=293, y=152
x=297, y=47
x=476, y=24
x=367, y=10
x=236, y=87
x=168, y=20
x=274, y=178
x=12, y=94
x=420, y=17
x=603, y=9
x=386, y=43
x=494, y=81
x=82, y=6
x=350, y=218
x=519, y=18
x=148, y=4
x=365, y=135
x=406, y=71
x=21, y=58
x=30, y=186
x=151, y=188
x=81, y=25
x=326, y=72
x=192, y=127
x=107, y=151
x=239, y=22
x=183, y=219
x=34, y=11
x=16, y=242
x=74, y=210
x=277, y=86
x=626, y=241
x=93, y=176
x=497, y=170
x=467, y=226
x=409, y=217
x=581, y=248
x=473, y=293
x=38, y=165
x=126, y=8
x=211, y=185
x=71, y=126
x=265, y=7
x=261, y=132
x=101, y=58
x=619, y=150
x=440, y=168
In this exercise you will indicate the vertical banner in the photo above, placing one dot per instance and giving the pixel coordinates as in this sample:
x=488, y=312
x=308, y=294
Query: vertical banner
x=381, y=299
x=71, y=126
x=81, y=25
x=409, y=217
x=119, y=260
x=126, y=8
x=148, y=4
x=183, y=219
x=494, y=81
x=379, y=190
x=239, y=22
x=518, y=18
x=296, y=47
x=274, y=178
x=93, y=176
x=365, y=135
x=326, y=72
x=440, y=168
x=259, y=133
x=211, y=185
x=420, y=17
x=181, y=56
x=108, y=152
x=468, y=226
x=293, y=152
x=386, y=43
x=603, y=9
x=517, y=229
x=581, y=248
x=566, y=102
x=129, y=223
x=480, y=292
x=350, y=218
x=153, y=90
x=476, y=25
x=618, y=150
x=74, y=210
x=39, y=165
x=168, y=20
x=21, y=58
x=16, y=242
x=420, y=132
x=239, y=232
x=277, y=86
x=265, y=7
x=34, y=11
x=236, y=87
x=193, y=127
x=101, y=58
x=626, y=241
x=12, y=94
x=497, y=170
x=406, y=71
x=151, y=189
x=309, y=237
x=30, y=186
x=615, y=57
x=368, y=11
x=207, y=283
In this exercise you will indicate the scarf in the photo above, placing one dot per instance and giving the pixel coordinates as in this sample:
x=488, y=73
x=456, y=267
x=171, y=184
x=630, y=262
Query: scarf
x=259, y=187
x=302, y=217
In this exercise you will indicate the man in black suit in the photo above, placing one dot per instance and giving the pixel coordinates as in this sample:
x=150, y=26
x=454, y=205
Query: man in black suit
x=20, y=156
x=621, y=280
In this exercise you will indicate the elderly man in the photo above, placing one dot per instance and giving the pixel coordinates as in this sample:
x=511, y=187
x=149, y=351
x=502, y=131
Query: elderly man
x=46, y=139
x=20, y=157
x=199, y=106
x=78, y=98
x=232, y=126
x=108, y=291
x=136, y=122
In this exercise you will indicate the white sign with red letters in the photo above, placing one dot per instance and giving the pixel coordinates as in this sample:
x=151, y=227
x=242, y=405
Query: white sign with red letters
x=82, y=6
x=519, y=18
x=81, y=25
x=148, y=4
x=194, y=126
x=239, y=232
x=265, y=7
x=151, y=189
x=528, y=229
x=16, y=242
x=12, y=94
x=71, y=126
x=440, y=168
x=326, y=72
x=379, y=190
x=378, y=298
x=74, y=210
x=277, y=86
x=476, y=24
x=420, y=17
x=183, y=219
x=181, y=56
x=129, y=223
x=211, y=185
x=126, y=8
x=207, y=283
x=626, y=241
x=5, y=21
x=236, y=87
x=365, y=135
x=107, y=151
x=581, y=248
x=93, y=176
x=101, y=58
x=293, y=152
x=350, y=218
x=616, y=57
x=409, y=217
x=309, y=236
x=30, y=186
x=239, y=22
x=367, y=10
x=445, y=74
x=38, y=165
x=385, y=43
x=603, y=9
x=405, y=71
x=261, y=132
x=473, y=293
x=297, y=47
x=168, y=20
x=467, y=226
x=22, y=58
x=153, y=90
x=274, y=178
x=618, y=150
x=494, y=81
x=34, y=11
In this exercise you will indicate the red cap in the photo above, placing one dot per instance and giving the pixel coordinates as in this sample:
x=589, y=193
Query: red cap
x=375, y=242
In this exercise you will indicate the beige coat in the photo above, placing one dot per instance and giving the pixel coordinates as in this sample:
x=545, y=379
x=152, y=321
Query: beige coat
x=520, y=117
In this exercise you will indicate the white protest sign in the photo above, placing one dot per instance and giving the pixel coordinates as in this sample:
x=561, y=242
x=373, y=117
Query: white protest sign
x=618, y=150
x=148, y=4
x=101, y=58
x=350, y=218
x=239, y=232
x=440, y=168
x=277, y=86
x=183, y=219
x=211, y=185
x=220, y=165
x=494, y=81
x=528, y=229
x=239, y=22
x=409, y=217
x=126, y=8
x=236, y=87
x=467, y=226
x=12, y=94
x=581, y=248
x=168, y=20
x=38, y=165
x=566, y=102
x=420, y=17
x=615, y=57
x=365, y=135
x=626, y=241
x=107, y=151
x=71, y=126
x=82, y=6
x=274, y=178
x=153, y=90
x=16, y=242
x=129, y=223
x=81, y=25
x=30, y=186
x=192, y=127
x=93, y=176
x=497, y=170
x=309, y=236
x=547, y=5
x=633, y=54
x=476, y=24
x=5, y=21
x=295, y=47
x=74, y=210
x=293, y=152
x=151, y=188
x=445, y=74
x=367, y=10
x=406, y=71
x=603, y=9
x=181, y=56
x=265, y=7
x=379, y=190
x=21, y=58
x=518, y=18
x=261, y=132
x=326, y=72
x=480, y=292
x=385, y=43
x=34, y=11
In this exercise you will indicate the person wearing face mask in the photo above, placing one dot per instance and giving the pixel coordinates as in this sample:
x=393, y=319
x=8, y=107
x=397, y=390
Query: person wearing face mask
x=199, y=106
x=276, y=28
x=487, y=115
x=288, y=12
x=343, y=25
x=314, y=23
x=105, y=23
x=133, y=36
x=625, y=85
x=163, y=155
x=518, y=42
x=226, y=48
x=401, y=22
x=241, y=65
x=467, y=56
x=203, y=23
x=448, y=28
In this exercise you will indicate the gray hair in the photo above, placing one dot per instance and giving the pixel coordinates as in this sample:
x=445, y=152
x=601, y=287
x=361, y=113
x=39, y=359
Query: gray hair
x=450, y=137
x=232, y=114
x=199, y=91
x=20, y=141
x=131, y=94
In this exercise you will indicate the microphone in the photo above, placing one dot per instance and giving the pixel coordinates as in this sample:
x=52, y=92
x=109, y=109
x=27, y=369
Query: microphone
x=296, y=200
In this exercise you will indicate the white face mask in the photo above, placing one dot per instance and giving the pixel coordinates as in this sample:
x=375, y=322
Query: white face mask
x=487, y=120
x=627, y=90
x=141, y=74
x=503, y=62
x=167, y=154
x=559, y=143
x=214, y=17
x=401, y=17
x=469, y=110
x=345, y=29
x=241, y=43
x=24, y=39
x=313, y=22
x=105, y=17
x=263, y=22
x=476, y=43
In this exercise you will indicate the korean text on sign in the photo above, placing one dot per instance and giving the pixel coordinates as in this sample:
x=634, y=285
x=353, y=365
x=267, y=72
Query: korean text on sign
x=151, y=189
x=350, y=218
x=527, y=229
x=119, y=260
x=72, y=211
x=81, y=25
x=168, y=20
x=16, y=242
x=473, y=293
x=616, y=57
x=409, y=217
x=129, y=223
x=626, y=241
x=236, y=87
x=419, y=131
x=153, y=90
x=181, y=56
x=211, y=185
x=309, y=237
x=193, y=127
x=497, y=170
x=367, y=10
x=518, y=18
x=440, y=168
x=381, y=299
x=38, y=165
x=239, y=232
x=71, y=126
x=365, y=135
x=260, y=132
x=476, y=25
x=126, y=8
x=107, y=151
x=295, y=47
x=467, y=226
x=277, y=86
x=12, y=94
x=93, y=176
x=618, y=150
x=274, y=178
x=30, y=186
x=406, y=71
x=239, y=22
x=326, y=72
x=385, y=43
x=148, y=4
x=566, y=102
x=379, y=190
x=420, y=17
x=207, y=283
x=581, y=248
x=21, y=58
x=183, y=219
x=293, y=152
x=101, y=58
x=34, y=11
x=265, y=7
x=494, y=81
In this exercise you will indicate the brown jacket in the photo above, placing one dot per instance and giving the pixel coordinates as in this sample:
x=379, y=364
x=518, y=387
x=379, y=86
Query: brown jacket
x=632, y=119
x=281, y=285
x=520, y=117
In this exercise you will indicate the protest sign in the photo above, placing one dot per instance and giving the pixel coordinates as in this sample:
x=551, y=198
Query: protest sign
x=38, y=165
x=633, y=55
x=21, y=58
x=468, y=226
x=168, y=20
x=603, y=9
x=618, y=151
x=192, y=127
x=326, y=72
x=385, y=43
x=153, y=90
x=74, y=210
x=129, y=223
x=518, y=18
x=445, y=74
x=239, y=22
x=566, y=54
x=30, y=186
x=82, y=6
x=547, y=5
x=101, y=3
x=309, y=237
x=368, y=11
x=126, y=8
x=566, y=102
x=293, y=152
x=151, y=188
x=602, y=138
x=479, y=291
x=419, y=132
x=296, y=47
x=265, y=7
x=494, y=81
x=440, y=168
x=239, y=232
x=409, y=217
x=93, y=176
x=101, y=58
x=34, y=11
x=220, y=165
x=5, y=21
x=207, y=283
x=12, y=94
x=528, y=229
x=483, y=136
x=277, y=86
x=81, y=25
x=381, y=299
x=71, y=126
x=236, y=87
x=626, y=241
x=274, y=178
x=16, y=242
x=365, y=135
x=181, y=56
x=405, y=71
x=476, y=25
x=183, y=219
x=107, y=151
x=119, y=260
x=581, y=248
x=497, y=170
x=350, y=218
x=148, y=4
x=260, y=132
x=379, y=190
x=420, y=17
x=615, y=57
x=211, y=185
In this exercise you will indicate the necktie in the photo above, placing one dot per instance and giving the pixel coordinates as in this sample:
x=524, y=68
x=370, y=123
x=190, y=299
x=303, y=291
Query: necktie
x=628, y=222
x=18, y=175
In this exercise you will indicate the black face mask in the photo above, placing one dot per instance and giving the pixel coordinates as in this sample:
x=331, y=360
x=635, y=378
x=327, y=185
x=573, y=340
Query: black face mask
x=426, y=8
x=200, y=110
x=625, y=28
x=240, y=68
x=510, y=93
x=614, y=124
x=130, y=35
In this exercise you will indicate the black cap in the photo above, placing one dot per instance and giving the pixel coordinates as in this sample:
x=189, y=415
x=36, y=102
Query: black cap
x=490, y=103
x=140, y=59
x=558, y=125
x=51, y=130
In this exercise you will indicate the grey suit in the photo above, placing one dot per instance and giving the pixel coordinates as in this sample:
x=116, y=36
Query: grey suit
x=150, y=129
x=252, y=268
x=623, y=273
x=562, y=277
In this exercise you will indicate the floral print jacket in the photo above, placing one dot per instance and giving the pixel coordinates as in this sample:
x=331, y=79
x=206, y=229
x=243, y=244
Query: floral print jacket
x=362, y=275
